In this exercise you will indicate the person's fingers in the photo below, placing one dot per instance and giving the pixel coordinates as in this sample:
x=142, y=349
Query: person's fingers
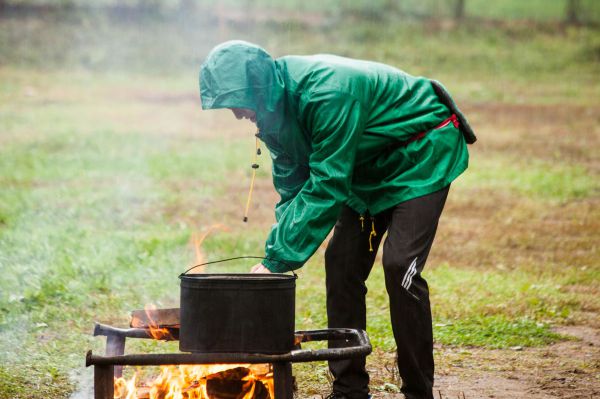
x=260, y=269
x=263, y=269
x=255, y=268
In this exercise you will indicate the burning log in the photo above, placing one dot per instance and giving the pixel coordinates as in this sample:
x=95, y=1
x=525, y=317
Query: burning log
x=160, y=323
x=235, y=383
x=143, y=392
x=155, y=318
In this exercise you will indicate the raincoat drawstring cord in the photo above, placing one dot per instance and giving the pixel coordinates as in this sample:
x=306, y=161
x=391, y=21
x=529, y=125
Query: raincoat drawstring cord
x=254, y=168
x=362, y=222
x=372, y=234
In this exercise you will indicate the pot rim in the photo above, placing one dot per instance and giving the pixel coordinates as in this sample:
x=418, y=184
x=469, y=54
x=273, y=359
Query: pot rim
x=238, y=276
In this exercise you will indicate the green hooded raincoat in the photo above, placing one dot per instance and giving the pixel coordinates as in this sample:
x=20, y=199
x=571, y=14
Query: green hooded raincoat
x=336, y=129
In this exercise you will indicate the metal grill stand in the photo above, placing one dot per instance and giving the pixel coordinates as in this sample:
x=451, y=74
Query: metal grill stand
x=349, y=344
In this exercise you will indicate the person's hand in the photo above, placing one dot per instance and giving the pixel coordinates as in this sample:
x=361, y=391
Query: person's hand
x=259, y=268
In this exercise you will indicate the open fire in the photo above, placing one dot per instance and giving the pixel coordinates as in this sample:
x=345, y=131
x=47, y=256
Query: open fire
x=236, y=375
x=222, y=381
x=212, y=381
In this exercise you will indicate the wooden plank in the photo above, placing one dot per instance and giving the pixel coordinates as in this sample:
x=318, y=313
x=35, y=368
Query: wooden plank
x=155, y=318
x=115, y=346
x=104, y=387
x=283, y=379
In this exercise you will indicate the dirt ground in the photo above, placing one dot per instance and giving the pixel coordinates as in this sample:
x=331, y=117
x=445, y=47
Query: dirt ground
x=569, y=369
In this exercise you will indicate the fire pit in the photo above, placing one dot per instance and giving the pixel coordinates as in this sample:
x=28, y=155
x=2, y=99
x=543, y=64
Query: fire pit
x=349, y=343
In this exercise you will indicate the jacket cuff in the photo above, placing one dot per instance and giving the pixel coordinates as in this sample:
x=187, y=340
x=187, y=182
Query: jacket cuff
x=276, y=266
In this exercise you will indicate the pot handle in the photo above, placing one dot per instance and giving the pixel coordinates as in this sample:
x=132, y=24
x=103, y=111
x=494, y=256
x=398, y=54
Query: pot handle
x=239, y=257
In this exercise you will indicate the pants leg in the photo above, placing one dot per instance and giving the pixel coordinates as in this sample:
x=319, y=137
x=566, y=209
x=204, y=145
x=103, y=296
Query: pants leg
x=348, y=263
x=410, y=235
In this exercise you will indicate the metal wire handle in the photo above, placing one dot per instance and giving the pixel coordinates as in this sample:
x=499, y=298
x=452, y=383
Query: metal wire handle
x=240, y=257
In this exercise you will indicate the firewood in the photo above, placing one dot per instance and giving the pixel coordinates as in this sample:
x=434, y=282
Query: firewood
x=142, y=393
x=228, y=384
x=168, y=318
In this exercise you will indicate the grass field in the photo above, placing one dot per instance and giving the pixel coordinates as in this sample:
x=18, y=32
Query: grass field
x=108, y=165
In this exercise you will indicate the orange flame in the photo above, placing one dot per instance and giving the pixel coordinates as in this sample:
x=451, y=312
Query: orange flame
x=126, y=389
x=192, y=382
x=197, y=240
x=154, y=328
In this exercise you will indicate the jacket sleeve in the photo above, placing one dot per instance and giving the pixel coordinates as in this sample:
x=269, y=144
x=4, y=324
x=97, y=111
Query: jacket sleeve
x=288, y=179
x=335, y=122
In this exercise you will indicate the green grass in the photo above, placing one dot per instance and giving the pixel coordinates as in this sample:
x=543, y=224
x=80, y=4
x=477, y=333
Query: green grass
x=81, y=239
x=495, y=332
x=538, y=10
x=481, y=307
x=502, y=61
x=45, y=382
x=533, y=178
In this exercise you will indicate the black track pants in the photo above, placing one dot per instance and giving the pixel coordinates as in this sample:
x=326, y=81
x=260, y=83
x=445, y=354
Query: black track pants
x=411, y=228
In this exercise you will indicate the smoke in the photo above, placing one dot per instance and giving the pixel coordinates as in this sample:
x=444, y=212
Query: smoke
x=101, y=37
x=83, y=380
x=150, y=36
x=174, y=37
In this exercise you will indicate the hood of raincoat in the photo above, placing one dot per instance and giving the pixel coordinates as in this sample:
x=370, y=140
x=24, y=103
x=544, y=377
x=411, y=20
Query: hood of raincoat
x=238, y=74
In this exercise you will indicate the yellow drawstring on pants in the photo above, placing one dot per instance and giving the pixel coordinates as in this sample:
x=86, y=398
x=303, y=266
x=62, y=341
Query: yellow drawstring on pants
x=372, y=234
x=254, y=168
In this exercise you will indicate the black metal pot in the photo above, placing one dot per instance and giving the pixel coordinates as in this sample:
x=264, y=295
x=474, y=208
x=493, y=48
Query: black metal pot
x=251, y=313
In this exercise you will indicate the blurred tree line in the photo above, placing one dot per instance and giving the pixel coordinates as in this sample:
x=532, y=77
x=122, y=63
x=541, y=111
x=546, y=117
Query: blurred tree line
x=567, y=11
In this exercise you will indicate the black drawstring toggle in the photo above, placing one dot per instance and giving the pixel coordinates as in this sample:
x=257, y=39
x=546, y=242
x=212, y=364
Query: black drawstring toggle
x=255, y=166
